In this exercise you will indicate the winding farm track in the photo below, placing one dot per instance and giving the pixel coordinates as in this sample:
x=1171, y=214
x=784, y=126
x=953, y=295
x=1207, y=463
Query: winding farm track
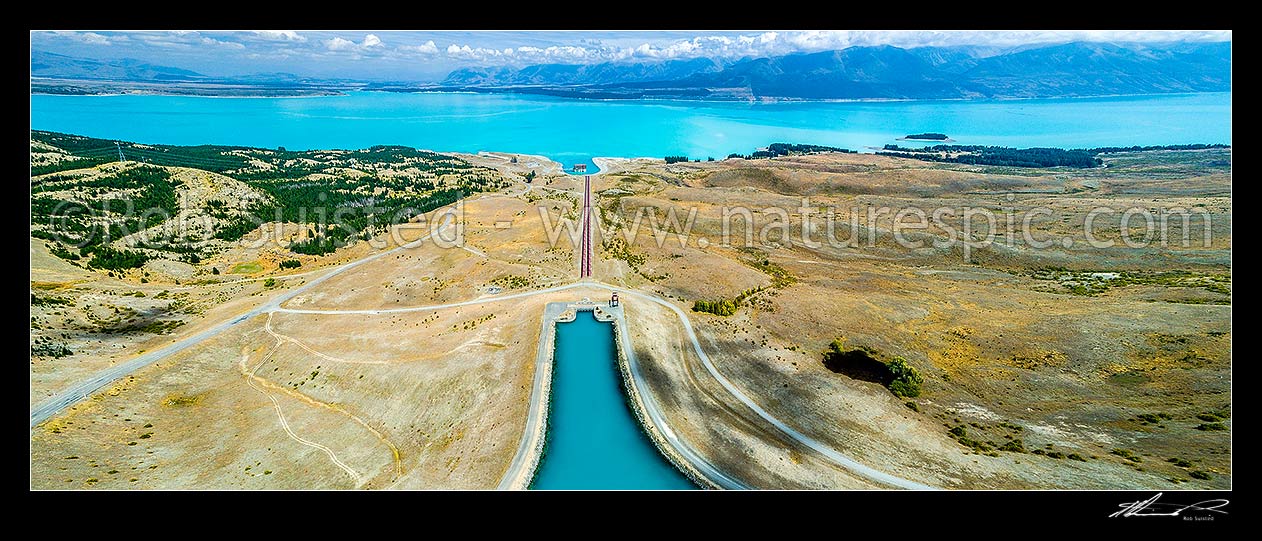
x=252, y=375
x=85, y=388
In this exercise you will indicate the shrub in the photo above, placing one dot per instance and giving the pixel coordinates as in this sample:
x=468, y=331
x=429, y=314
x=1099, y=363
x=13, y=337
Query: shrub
x=906, y=380
x=1180, y=462
x=1127, y=454
x=1011, y=426
x=1014, y=446
x=912, y=406
x=48, y=301
x=290, y=264
x=314, y=245
x=1075, y=456
x=64, y=253
x=270, y=282
x=1198, y=474
x=104, y=257
x=979, y=446
x=1211, y=426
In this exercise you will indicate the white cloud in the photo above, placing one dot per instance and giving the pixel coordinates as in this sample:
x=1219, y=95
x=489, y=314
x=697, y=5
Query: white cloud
x=170, y=45
x=781, y=43
x=220, y=43
x=427, y=48
x=816, y=40
x=465, y=52
x=526, y=54
x=339, y=44
x=371, y=41
x=280, y=35
x=177, y=39
x=92, y=38
x=593, y=51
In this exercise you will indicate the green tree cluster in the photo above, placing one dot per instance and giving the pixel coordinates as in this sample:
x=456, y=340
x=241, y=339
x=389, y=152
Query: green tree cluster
x=998, y=156
x=907, y=380
x=721, y=307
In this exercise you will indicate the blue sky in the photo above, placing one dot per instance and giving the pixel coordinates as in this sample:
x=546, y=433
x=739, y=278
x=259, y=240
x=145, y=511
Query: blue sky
x=430, y=55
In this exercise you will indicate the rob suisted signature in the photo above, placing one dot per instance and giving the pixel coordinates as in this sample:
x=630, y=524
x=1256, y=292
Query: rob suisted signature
x=1153, y=508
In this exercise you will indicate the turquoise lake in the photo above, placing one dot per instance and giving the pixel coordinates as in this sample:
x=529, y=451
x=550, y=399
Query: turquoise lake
x=593, y=440
x=572, y=131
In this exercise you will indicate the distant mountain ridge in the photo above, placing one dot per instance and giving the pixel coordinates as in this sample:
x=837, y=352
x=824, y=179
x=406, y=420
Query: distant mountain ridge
x=568, y=74
x=1065, y=70
x=51, y=65
x=1077, y=69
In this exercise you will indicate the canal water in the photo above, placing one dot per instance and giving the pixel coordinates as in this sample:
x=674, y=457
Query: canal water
x=594, y=442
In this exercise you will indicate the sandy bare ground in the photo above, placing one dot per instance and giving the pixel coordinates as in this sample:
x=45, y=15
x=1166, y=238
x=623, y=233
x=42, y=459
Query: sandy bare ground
x=436, y=399
x=1089, y=369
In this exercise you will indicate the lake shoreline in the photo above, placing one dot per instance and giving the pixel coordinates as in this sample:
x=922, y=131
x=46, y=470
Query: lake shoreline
x=564, y=129
x=269, y=93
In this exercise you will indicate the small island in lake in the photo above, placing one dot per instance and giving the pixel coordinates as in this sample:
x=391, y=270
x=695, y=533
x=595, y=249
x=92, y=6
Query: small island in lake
x=926, y=137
